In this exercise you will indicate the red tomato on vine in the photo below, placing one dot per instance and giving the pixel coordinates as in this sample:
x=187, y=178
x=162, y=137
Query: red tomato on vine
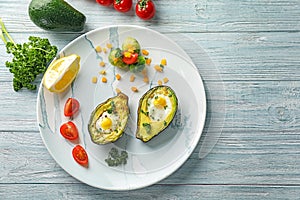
x=145, y=9
x=105, y=2
x=122, y=5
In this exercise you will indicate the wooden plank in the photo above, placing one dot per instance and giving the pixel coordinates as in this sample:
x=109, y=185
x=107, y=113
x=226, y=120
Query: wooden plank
x=248, y=158
x=178, y=16
x=80, y=191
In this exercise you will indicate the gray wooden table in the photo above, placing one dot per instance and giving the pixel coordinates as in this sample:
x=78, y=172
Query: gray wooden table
x=255, y=45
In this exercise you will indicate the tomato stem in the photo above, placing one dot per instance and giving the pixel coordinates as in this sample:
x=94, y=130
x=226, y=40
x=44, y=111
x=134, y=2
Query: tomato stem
x=143, y=3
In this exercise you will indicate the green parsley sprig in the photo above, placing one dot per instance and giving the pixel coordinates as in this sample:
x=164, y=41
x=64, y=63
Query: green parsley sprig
x=29, y=59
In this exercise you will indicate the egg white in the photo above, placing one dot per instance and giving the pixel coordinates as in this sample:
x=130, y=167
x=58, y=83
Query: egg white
x=159, y=114
x=114, y=118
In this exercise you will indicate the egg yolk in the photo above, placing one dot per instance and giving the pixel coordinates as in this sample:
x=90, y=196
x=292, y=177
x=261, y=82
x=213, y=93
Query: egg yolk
x=106, y=123
x=160, y=102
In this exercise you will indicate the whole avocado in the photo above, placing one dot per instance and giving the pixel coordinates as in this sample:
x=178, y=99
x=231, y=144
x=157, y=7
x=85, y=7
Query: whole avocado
x=56, y=15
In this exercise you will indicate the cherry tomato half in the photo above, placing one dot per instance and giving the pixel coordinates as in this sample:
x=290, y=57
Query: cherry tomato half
x=71, y=107
x=105, y=2
x=130, y=59
x=69, y=131
x=145, y=9
x=122, y=5
x=80, y=155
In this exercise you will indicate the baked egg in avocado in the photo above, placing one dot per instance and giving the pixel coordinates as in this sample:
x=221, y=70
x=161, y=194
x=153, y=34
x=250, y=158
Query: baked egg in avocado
x=108, y=120
x=157, y=108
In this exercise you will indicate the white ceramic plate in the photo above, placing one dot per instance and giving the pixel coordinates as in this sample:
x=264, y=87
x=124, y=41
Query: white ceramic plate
x=148, y=162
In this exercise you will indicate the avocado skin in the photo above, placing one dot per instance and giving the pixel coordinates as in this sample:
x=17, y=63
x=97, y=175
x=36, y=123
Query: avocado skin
x=56, y=15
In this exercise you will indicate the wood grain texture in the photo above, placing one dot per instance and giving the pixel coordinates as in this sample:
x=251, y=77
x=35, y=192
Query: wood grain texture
x=78, y=191
x=255, y=46
x=179, y=16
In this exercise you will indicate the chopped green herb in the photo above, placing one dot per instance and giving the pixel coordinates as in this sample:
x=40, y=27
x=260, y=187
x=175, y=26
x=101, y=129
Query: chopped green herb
x=116, y=159
x=112, y=107
x=145, y=113
x=165, y=123
x=147, y=126
x=30, y=59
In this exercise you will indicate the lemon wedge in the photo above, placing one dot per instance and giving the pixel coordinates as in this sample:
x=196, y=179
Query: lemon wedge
x=61, y=73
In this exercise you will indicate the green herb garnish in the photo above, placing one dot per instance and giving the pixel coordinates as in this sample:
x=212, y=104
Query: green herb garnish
x=147, y=126
x=30, y=59
x=165, y=123
x=112, y=107
x=116, y=159
x=145, y=113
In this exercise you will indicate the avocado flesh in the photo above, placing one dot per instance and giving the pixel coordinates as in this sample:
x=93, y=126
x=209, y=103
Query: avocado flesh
x=118, y=106
x=148, y=128
x=56, y=15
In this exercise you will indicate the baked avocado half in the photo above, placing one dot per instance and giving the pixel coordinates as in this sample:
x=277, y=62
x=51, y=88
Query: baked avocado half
x=157, y=108
x=108, y=120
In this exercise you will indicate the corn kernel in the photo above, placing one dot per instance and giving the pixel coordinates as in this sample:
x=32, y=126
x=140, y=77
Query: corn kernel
x=98, y=49
x=134, y=89
x=132, y=78
x=118, y=91
x=127, y=54
x=148, y=61
x=146, y=79
x=131, y=49
x=103, y=72
x=165, y=80
x=145, y=52
x=104, y=79
x=163, y=62
x=158, y=68
x=159, y=82
x=109, y=45
x=118, y=76
x=94, y=79
x=102, y=64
